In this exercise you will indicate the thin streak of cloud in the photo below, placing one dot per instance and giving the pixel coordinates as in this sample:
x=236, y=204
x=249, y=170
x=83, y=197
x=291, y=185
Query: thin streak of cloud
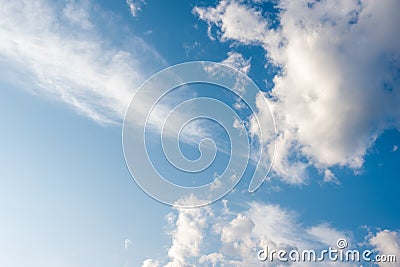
x=64, y=55
x=135, y=6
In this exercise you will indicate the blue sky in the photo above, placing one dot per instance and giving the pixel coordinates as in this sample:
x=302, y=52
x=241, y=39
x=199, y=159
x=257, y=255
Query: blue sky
x=329, y=69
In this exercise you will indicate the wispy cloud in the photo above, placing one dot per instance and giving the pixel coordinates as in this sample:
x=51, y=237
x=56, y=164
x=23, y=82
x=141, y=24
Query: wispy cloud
x=63, y=51
x=234, y=21
x=386, y=242
x=135, y=6
x=65, y=54
x=127, y=243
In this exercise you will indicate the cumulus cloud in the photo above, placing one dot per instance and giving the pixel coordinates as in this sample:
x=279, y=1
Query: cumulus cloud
x=127, y=243
x=234, y=21
x=338, y=85
x=150, y=263
x=63, y=53
x=237, y=236
x=78, y=13
x=187, y=236
x=387, y=243
x=212, y=258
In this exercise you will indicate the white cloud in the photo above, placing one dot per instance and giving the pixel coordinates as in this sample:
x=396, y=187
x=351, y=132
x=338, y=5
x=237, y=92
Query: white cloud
x=150, y=263
x=135, y=6
x=387, y=243
x=64, y=55
x=338, y=88
x=187, y=235
x=212, y=258
x=64, y=51
x=127, y=243
x=235, y=21
x=78, y=13
x=237, y=61
x=235, y=237
x=326, y=234
x=395, y=148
